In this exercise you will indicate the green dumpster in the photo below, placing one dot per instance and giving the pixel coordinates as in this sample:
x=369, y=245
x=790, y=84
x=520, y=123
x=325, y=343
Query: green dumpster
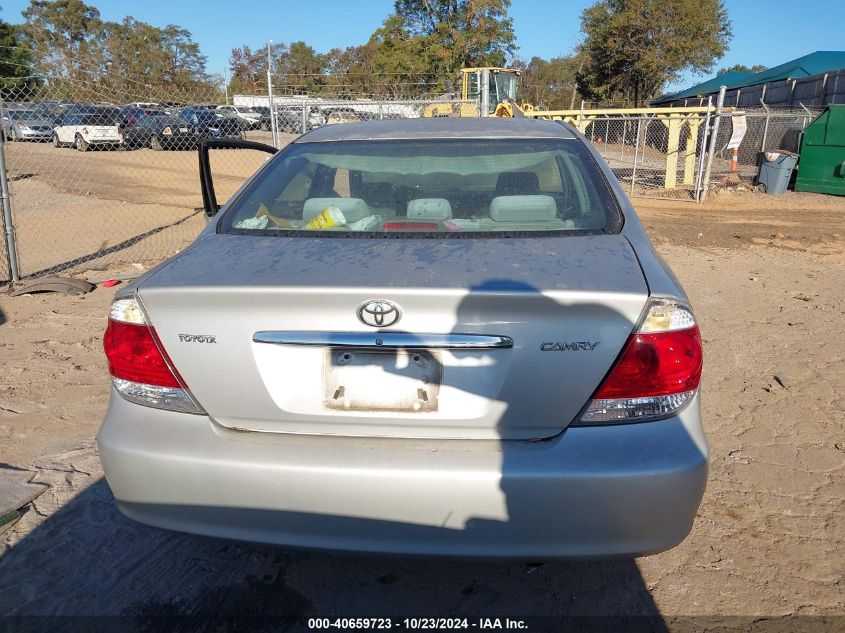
x=822, y=166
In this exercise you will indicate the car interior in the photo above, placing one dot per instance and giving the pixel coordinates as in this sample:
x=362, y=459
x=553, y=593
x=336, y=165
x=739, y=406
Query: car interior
x=546, y=192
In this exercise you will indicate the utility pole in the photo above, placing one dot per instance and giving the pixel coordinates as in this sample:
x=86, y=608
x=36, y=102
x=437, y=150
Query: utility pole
x=273, y=130
x=226, y=85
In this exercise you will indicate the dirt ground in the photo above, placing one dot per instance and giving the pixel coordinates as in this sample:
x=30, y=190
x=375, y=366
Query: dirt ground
x=767, y=278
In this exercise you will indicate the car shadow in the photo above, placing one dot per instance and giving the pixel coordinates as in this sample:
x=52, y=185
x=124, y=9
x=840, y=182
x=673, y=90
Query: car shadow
x=87, y=559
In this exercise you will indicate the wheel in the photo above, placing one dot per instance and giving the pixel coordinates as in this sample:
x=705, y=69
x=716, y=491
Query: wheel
x=264, y=127
x=13, y=136
x=80, y=143
x=761, y=188
x=155, y=143
x=56, y=142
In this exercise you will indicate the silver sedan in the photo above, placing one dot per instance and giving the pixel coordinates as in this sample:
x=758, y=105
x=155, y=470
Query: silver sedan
x=433, y=336
x=26, y=125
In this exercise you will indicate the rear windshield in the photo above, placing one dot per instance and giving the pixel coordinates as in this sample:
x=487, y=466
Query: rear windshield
x=445, y=188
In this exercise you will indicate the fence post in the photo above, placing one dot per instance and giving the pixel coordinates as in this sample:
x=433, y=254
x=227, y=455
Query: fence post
x=711, y=145
x=703, y=150
x=305, y=108
x=11, y=253
x=636, y=151
x=273, y=127
x=765, y=126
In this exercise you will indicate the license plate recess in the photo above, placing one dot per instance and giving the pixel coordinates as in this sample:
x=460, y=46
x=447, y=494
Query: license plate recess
x=400, y=380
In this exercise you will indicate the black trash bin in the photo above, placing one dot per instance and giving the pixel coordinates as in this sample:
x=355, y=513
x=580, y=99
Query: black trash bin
x=775, y=171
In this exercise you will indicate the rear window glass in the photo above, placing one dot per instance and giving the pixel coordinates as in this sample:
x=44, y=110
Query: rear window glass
x=440, y=188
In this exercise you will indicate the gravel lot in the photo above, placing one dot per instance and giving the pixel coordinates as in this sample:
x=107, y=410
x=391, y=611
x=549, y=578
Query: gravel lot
x=767, y=278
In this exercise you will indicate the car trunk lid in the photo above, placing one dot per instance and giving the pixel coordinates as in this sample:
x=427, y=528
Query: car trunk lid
x=267, y=335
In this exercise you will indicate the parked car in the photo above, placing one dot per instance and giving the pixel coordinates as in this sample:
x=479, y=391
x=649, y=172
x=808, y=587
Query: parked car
x=52, y=109
x=336, y=115
x=289, y=118
x=492, y=360
x=84, y=126
x=26, y=125
x=250, y=119
x=209, y=125
x=132, y=114
x=264, y=123
x=159, y=132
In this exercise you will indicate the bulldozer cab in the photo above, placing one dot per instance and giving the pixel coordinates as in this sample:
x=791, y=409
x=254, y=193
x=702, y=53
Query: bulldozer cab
x=490, y=86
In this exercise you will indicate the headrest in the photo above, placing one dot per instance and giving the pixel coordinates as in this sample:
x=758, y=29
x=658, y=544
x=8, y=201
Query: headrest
x=523, y=209
x=429, y=209
x=514, y=183
x=353, y=209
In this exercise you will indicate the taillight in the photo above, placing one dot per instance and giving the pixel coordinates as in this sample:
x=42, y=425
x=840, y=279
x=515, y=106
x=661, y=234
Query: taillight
x=140, y=368
x=657, y=372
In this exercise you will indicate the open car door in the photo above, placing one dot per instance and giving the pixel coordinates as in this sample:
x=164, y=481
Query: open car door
x=209, y=196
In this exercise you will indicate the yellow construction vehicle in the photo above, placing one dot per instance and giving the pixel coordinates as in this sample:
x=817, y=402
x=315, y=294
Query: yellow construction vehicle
x=494, y=90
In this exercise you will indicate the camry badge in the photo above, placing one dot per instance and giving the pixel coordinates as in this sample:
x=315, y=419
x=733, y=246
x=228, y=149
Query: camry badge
x=575, y=346
x=379, y=313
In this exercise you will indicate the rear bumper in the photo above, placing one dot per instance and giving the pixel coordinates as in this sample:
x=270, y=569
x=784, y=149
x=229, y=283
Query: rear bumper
x=590, y=492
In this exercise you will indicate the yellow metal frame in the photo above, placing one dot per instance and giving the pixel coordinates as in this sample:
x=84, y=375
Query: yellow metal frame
x=673, y=118
x=466, y=72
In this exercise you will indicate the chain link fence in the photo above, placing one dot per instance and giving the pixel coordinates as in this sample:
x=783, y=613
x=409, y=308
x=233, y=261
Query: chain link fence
x=644, y=157
x=766, y=130
x=100, y=176
x=665, y=155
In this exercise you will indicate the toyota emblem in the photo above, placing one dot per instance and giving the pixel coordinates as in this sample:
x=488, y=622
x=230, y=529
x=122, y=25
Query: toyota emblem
x=379, y=313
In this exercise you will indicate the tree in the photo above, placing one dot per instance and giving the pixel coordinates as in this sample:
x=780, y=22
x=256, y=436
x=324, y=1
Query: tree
x=66, y=36
x=550, y=84
x=248, y=70
x=350, y=71
x=301, y=68
x=16, y=61
x=404, y=64
x=632, y=48
x=138, y=54
x=740, y=68
x=461, y=32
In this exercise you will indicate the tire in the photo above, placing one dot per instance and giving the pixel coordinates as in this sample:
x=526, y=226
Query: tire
x=80, y=144
x=264, y=127
x=12, y=136
x=56, y=142
x=761, y=188
x=155, y=143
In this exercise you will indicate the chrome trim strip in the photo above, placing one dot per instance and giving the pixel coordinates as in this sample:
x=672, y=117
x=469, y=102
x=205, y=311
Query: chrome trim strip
x=385, y=340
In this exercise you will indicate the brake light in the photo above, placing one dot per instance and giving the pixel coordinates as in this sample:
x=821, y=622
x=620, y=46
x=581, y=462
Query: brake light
x=133, y=355
x=656, y=374
x=140, y=368
x=410, y=226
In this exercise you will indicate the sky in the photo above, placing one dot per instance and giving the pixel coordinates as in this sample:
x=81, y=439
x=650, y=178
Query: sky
x=765, y=32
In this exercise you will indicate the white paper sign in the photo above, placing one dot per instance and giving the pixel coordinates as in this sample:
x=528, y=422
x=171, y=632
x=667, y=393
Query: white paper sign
x=740, y=125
